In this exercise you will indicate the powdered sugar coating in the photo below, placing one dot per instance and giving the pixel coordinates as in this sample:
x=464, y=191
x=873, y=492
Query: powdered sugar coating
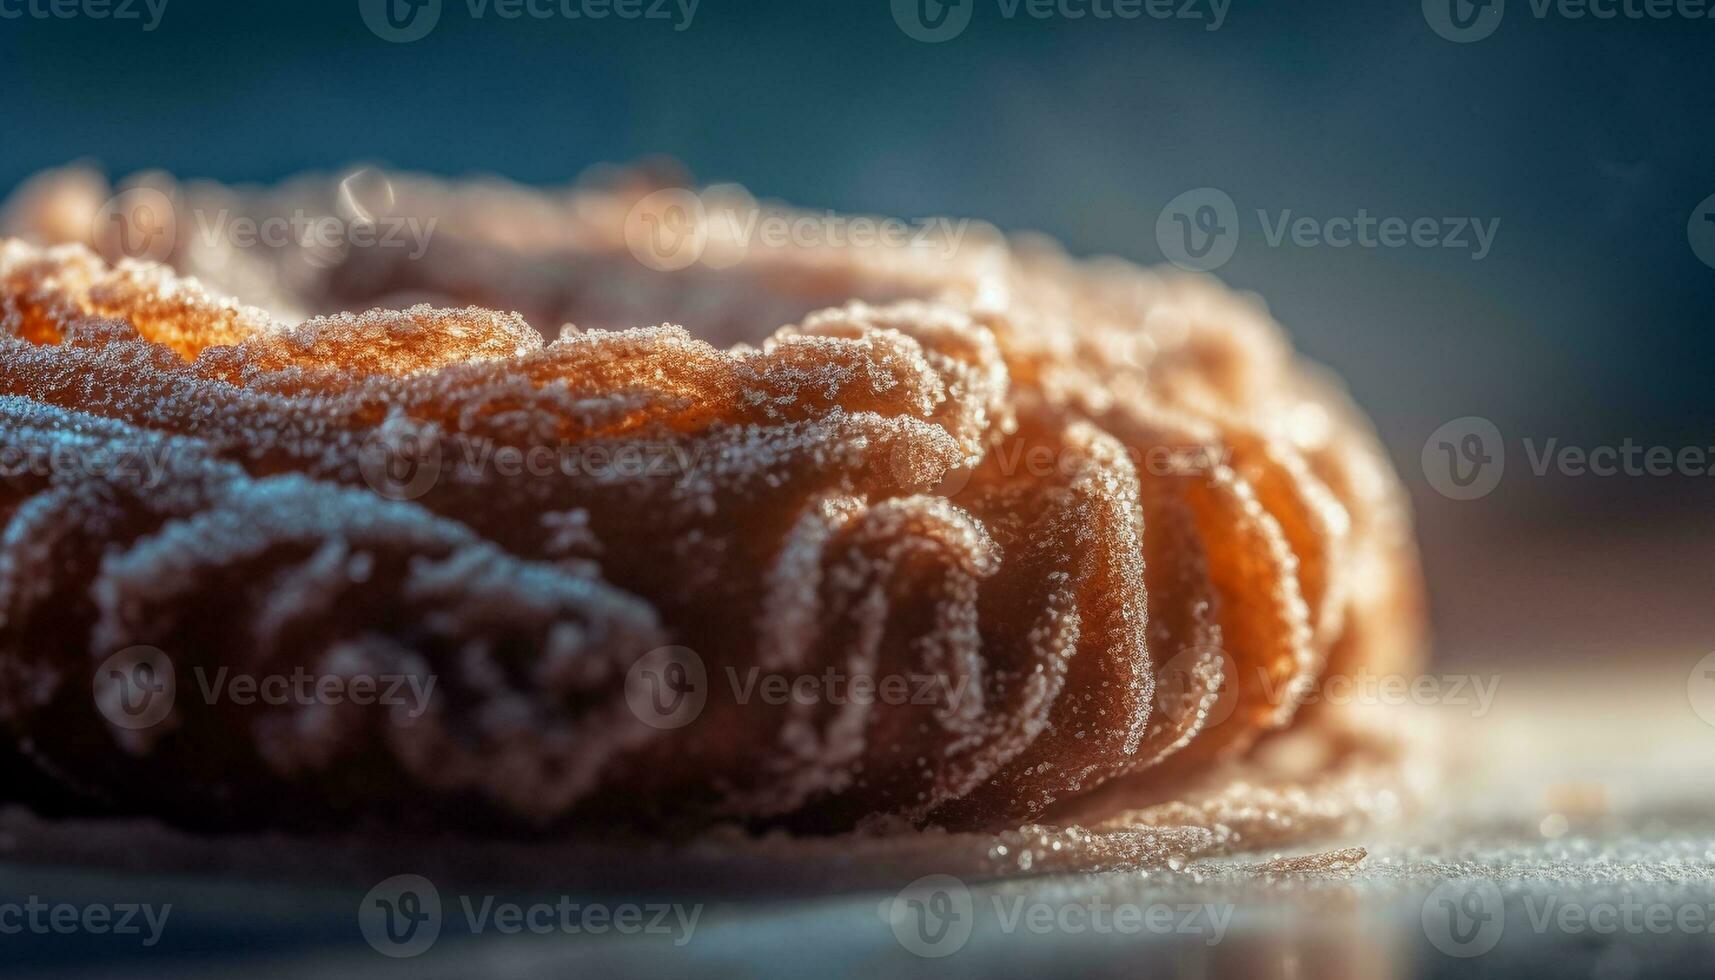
x=1088, y=498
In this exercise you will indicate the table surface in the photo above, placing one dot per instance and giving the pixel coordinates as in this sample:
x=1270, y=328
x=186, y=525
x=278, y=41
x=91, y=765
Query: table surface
x=1576, y=837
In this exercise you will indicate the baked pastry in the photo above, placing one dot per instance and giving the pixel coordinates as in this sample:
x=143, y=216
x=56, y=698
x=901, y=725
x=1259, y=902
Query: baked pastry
x=1099, y=521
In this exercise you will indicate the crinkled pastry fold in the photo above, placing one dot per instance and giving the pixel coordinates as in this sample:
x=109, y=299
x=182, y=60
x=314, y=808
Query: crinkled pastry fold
x=1006, y=526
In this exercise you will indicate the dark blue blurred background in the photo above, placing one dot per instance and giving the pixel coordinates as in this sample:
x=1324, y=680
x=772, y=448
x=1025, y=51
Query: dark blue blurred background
x=1590, y=141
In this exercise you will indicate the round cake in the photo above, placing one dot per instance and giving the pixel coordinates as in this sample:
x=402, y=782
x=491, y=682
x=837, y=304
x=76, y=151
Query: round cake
x=980, y=529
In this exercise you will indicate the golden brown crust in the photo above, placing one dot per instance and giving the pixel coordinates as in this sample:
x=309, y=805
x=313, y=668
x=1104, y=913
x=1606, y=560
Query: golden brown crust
x=1089, y=500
